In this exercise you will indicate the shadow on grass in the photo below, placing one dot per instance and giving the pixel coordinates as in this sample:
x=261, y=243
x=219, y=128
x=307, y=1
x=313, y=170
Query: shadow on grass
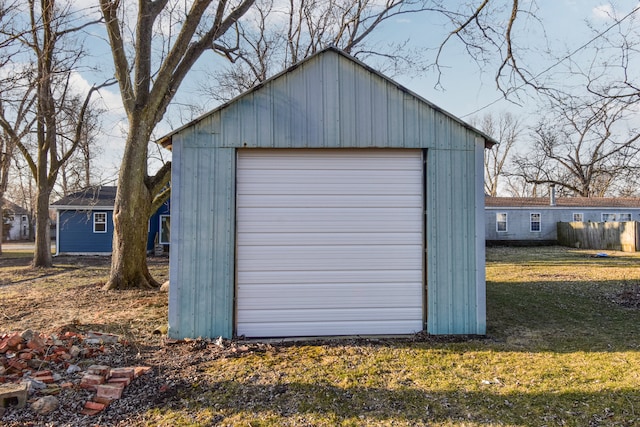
x=328, y=404
x=563, y=316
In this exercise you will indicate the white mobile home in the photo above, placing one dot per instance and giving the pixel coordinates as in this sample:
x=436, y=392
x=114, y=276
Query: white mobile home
x=527, y=220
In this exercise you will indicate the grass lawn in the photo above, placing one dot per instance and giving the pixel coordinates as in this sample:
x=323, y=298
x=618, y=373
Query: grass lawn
x=561, y=350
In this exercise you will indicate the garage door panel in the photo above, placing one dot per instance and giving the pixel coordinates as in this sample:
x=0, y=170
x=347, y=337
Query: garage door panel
x=329, y=242
x=334, y=295
x=329, y=160
x=304, y=258
x=324, y=278
x=335, y=314
x=354, y=226
x=329, y=201
x=346, y=238
x=336, y=178
x=327, y=328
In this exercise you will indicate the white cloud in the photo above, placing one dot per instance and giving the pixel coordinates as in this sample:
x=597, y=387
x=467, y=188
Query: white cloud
x=604, y=11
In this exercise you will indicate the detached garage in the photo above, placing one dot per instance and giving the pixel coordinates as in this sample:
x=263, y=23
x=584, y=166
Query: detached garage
x=327, y=201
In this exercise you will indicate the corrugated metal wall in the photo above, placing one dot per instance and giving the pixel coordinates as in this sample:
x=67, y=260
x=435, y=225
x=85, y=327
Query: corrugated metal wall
x=329, y=101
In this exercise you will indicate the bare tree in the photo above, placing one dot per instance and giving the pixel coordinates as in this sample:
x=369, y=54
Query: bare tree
x=148, y=81
x=48, y=29
x=77, y=172
x=505, y=128
x=581, y=147
x=16, y=100
x=279, y=34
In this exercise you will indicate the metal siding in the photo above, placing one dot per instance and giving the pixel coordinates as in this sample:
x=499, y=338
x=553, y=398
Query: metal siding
x=331, y=102
x=452, y=270
x=480, y=256
x=331, y=106
x=363, y=109
x=312, y=106
x=202, y=249
x=299, y=273
x=315, y=119
x=179, y=282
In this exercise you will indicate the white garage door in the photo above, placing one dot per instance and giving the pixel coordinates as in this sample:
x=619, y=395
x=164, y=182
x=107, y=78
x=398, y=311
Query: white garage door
x=329, y=242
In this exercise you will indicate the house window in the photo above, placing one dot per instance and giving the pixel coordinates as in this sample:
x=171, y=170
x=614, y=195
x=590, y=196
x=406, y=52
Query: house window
x=616, y=217
x=535, y=222
x=578, y=217
x=501, y=222
x=165, y=229
x=24, y=218
x=99, y=222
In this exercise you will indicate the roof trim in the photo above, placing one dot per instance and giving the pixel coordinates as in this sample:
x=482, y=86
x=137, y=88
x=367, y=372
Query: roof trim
x=81, y=208
x=562, y=203
x=166, y=141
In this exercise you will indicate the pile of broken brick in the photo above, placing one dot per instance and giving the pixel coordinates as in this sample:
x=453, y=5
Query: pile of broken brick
x=31, y=365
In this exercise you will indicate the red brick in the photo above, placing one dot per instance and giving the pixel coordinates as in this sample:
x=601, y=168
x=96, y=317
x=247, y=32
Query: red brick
x=43, y=373
x=123, y=380
x=47, y=380
x=110, y=391
x=99, y=370
x=17, y=364
x=14, y=339
x=35, y=343
x=141, y=370
x=102, y=400
x=25, y=356
x=90, y=381
x=92, y=408
x=67, y=384
x=95, y=405
x=123, y=373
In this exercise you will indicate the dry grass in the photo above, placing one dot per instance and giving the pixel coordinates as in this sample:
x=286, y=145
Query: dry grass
x=70, y=294
x=561, y=350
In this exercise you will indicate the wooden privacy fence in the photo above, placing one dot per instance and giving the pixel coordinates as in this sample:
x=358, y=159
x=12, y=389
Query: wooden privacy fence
x=618, y=236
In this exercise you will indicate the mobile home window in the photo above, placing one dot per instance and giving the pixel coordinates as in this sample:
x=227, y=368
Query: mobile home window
x=616, y=217
x=501, y=221
x=165, y=228
x=99, y=222
x=578, y=217
x=535, y=222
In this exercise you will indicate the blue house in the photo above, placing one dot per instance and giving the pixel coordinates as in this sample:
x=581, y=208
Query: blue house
x=85, y=223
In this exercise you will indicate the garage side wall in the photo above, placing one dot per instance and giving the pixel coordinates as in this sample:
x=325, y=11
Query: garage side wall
x=455, y=242
x=202, y=239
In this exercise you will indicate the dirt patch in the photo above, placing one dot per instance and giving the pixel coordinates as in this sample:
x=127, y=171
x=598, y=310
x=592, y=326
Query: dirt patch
x=629, y=297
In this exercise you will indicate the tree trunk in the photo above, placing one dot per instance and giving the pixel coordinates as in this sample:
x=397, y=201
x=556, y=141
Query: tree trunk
x=1, y=223
x=131, y=217
x=42, y=254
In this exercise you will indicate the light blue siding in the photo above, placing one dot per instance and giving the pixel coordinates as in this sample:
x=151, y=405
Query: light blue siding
x=328, y=101
x=519, y=221
x=453, y=282
x=203, y=240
